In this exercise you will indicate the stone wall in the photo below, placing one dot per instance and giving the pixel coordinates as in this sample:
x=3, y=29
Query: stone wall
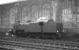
x=34, y=9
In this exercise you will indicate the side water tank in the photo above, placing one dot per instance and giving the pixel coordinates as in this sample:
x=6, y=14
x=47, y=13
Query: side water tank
x=50, y=27
x=35, y=27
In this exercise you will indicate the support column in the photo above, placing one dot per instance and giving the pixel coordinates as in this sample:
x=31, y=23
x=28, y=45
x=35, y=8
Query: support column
x=59, y=24
x=19, y=13
x=59, y=11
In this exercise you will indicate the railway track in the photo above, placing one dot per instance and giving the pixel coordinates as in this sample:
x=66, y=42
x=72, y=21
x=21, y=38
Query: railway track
x=39, y=44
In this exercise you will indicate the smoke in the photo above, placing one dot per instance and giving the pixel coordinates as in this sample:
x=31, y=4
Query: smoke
x=9, y=1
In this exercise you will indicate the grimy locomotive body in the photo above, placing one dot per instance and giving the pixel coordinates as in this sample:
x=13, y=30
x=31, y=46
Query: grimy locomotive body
x=46, y=30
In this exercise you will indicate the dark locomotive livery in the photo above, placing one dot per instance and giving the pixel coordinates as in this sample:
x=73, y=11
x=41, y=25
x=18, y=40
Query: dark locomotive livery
x=42, y=30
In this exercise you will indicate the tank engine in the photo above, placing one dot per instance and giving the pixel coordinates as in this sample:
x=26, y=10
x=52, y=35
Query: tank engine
x=43, y=30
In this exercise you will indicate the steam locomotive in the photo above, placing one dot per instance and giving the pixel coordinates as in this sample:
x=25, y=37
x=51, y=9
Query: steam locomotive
x=41, y=30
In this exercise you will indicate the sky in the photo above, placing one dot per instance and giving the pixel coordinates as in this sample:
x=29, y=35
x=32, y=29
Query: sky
x=8, y=1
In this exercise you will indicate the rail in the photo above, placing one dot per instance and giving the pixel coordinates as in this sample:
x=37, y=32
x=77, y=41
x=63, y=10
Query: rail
x=38, y=43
